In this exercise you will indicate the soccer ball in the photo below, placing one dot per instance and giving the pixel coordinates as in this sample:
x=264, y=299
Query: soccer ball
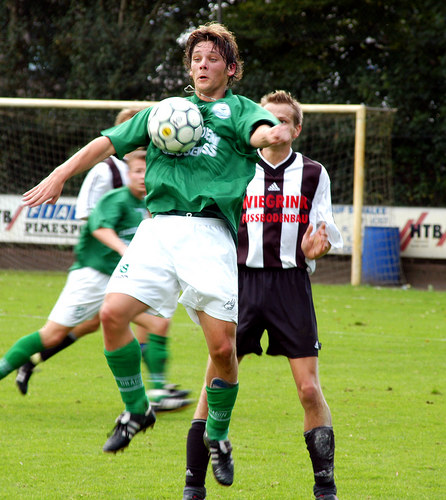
x=175, y=125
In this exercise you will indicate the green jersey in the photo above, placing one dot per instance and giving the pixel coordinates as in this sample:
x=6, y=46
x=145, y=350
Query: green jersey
x=118, y=210
x=212, y=177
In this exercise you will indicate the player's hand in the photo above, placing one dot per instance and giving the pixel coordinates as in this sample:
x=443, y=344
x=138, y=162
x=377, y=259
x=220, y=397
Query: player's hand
x=265, y=135
x=316, y=245
x=47, y=191
x=279, y=134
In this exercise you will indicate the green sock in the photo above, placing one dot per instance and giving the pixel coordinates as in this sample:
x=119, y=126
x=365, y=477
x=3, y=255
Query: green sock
x=221, y=401
x=155, y=356
x=20, y=353
x=125, y=364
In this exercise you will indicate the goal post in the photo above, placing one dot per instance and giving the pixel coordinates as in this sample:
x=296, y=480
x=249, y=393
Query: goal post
x=351, y=141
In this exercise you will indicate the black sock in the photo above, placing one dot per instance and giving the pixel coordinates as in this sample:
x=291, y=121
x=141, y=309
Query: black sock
x=321, y=446
x=197, y=455
x=51, y=351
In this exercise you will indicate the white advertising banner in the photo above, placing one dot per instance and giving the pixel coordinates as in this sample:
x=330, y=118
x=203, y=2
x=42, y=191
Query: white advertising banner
x=422, y=230
x=47, y=224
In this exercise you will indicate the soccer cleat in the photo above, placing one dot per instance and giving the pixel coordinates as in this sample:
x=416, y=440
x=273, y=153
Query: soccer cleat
x=170, y=404
x=179, y=393
x=327, y=497
x=194, y=493
x=221, y=459
x=127, y=425
x=23, y=375
x=168, y=391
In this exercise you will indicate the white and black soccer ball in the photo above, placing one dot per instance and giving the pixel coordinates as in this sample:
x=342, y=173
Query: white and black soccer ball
x=175, y=125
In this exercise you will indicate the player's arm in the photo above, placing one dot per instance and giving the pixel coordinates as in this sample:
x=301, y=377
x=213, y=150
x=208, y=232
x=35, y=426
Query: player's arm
x=265, y=135
x=51, y=187
x=108, y=237
x=315, y=246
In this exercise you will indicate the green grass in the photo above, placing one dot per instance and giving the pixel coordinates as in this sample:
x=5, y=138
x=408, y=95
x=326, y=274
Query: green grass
x=383, y=371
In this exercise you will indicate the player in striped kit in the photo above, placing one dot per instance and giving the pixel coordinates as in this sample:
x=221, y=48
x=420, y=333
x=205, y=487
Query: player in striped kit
x=286, y=224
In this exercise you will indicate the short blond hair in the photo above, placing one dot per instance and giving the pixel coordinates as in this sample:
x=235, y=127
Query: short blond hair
x=284, y=97
x=138, y=154
x=125, y=114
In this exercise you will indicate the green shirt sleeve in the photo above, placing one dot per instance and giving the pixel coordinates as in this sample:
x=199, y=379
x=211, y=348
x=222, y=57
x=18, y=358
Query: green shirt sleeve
x=130, y=135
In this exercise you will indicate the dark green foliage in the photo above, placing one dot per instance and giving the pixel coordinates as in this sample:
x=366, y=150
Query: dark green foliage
x=373, y=52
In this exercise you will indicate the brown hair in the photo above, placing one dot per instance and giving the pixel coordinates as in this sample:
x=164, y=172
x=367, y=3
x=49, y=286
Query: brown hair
x=224, y=41
x=283, y=97
x=126, y=114
x=137, y=154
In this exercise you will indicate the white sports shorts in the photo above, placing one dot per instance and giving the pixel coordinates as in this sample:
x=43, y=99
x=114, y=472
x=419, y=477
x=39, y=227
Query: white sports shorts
x=81, y=297
x=170, y=254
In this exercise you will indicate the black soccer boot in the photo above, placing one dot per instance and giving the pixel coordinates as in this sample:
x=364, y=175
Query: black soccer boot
x=23, y=375
x=221, y=459
x=127, y=425
x=194, y=493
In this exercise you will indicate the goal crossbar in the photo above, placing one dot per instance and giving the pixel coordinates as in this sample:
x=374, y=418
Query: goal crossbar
x=359, y=110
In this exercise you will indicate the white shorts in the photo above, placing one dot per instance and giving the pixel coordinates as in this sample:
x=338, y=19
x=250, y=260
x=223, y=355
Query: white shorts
x=81, y=297
x=171, y=254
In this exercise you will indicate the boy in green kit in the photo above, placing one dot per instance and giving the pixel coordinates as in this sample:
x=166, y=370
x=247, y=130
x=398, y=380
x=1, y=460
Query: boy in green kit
x=188, y=246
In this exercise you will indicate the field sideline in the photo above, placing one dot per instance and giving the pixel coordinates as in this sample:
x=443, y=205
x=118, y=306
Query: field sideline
x=382, y=368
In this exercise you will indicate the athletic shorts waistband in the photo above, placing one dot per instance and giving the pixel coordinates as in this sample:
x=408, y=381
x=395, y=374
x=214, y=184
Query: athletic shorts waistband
x=198, y=219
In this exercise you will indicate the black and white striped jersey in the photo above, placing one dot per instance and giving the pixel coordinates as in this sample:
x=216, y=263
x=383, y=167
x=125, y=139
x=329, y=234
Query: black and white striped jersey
x=279, y=204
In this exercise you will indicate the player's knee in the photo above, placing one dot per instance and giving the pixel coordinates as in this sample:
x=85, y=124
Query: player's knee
x=223, y=353
x=93, y=325
x=108, y=317
x=310, y=393
x=96, y=325
x=53, y=336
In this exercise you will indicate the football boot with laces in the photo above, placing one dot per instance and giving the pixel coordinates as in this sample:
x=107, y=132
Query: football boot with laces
x=221, y=459
x=127, y=425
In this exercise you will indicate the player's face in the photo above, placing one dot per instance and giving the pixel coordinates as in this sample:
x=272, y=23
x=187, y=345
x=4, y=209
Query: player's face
x=137, y=172
x=209, y=71
x=284, y=113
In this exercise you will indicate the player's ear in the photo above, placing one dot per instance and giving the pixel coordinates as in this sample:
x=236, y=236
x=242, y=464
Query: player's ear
x=231, y=69
x=297, y=130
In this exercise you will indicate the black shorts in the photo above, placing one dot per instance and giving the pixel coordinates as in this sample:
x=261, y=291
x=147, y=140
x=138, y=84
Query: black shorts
x=278, y=301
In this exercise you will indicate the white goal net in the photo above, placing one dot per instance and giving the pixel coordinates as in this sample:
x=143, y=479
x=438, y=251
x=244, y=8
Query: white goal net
x=352, y=142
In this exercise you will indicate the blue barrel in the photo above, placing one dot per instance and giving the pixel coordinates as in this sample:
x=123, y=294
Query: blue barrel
x=381, y=263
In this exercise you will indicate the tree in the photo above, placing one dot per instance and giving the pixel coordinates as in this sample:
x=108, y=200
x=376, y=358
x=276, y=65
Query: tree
x=83, y=49
x=376, y=52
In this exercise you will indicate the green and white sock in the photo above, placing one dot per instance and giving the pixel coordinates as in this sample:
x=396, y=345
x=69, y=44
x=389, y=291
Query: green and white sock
x=125, y=364
x=20, y=353
x=155, y=356
x=221, y=400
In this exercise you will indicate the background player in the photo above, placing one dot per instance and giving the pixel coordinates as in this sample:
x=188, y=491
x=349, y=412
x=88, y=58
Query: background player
x=110, y=174
x=195, y=199
x=107, y=175
x=103, y=240
x=286, y=201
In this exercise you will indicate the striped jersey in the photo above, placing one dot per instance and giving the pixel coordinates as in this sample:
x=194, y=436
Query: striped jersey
x=279, y=204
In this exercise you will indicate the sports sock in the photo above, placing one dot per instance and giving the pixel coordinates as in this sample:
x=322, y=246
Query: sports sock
x=125, y=364
x=155, y=356
x=321, y=446
x=197, y=455
x=51, y=351
x=221, y=400
x=20, y=353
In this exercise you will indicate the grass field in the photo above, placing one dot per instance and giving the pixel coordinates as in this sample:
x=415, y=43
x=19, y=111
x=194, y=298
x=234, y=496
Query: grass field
x=383, y=371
